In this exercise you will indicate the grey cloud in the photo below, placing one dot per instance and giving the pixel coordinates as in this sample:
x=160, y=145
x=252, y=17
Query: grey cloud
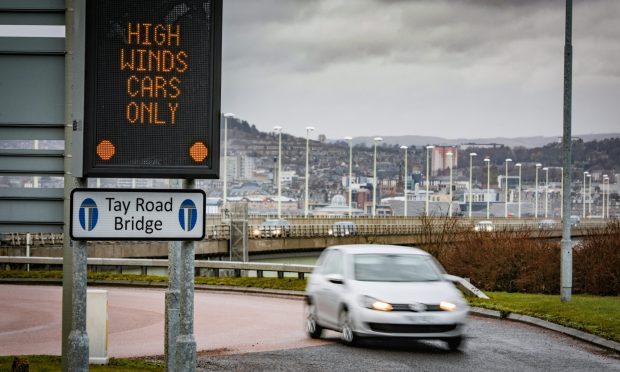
x=312, y=35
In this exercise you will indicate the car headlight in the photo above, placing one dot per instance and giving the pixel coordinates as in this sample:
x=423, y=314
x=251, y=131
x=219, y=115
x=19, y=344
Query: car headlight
x=374, y=304
x=447, y=306
x=476, y=228
x=330, y=232
x=256, y=232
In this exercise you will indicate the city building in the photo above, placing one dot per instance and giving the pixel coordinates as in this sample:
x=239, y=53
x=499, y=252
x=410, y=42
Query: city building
x=441, y=161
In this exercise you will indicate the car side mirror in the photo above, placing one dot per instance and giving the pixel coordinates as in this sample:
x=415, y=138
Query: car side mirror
x=452, y=278
x=335, y=278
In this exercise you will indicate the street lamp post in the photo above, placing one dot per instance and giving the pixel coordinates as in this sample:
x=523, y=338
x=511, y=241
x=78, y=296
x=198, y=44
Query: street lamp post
x=350, y=139
x=506, y=192
x=536, y=191
x=449, y=154
x=308, y=130
x=562, y=193
x=566, y=270
x=603, y=189
x=278, y=130
x=518, y=165
x=608, y=192
x=589, y=195
x=488, y=161
x=224, y=190
x=374, y=178
x=583, y=191
x=471, y=156
x=546, y=169
x=405, y=181
x=428, y=176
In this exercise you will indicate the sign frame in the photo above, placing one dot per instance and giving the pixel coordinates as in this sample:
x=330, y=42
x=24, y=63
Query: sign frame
x=141, y=191
x=89, y=168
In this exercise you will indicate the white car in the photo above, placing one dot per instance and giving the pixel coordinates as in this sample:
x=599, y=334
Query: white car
x=484, y=226
x=275, y=228
x=383, y=291
x=343, y=228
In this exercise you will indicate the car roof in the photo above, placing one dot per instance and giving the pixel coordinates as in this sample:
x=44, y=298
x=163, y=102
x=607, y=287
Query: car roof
x=377, y=248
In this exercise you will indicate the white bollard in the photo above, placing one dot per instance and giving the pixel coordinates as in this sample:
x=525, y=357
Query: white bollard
x=97, y=325
x=28, y=242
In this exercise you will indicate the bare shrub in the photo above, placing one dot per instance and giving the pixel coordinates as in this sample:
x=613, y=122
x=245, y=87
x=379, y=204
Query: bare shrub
x=596, y=262
x=524, y=260
x=502, y=260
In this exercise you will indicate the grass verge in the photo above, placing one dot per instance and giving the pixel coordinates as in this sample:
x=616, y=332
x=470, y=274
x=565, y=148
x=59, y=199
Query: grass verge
x=593, y=314
x=45, y=363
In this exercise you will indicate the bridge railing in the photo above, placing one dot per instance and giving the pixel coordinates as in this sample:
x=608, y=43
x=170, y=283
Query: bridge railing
x=393, y=226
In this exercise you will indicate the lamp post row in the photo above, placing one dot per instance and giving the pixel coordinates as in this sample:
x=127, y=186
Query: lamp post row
x=586, y=189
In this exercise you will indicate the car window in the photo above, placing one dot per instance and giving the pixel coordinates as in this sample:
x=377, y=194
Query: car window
x=332, y=264
x=320, y=264
x=395, y=268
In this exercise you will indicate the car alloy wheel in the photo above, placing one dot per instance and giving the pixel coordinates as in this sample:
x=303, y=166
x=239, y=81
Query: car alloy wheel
x=312, y=327
x=346, y=327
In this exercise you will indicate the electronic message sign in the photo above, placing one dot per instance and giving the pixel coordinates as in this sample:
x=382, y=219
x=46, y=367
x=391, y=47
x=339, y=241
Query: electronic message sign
x=152, y=88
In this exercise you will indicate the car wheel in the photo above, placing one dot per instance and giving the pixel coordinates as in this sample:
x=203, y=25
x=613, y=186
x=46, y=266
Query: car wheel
x=313, y=328
x=348, y=335
x=455, y=343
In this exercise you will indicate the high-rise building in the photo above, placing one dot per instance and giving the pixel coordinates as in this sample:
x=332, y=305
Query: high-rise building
x=440, y=160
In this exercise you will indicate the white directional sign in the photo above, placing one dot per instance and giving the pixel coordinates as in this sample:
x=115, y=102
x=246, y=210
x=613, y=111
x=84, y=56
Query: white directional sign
x=137, y=214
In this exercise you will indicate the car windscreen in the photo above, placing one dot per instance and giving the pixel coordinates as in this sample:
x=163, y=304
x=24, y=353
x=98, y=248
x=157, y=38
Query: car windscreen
x=395, y=268
x=274, y=223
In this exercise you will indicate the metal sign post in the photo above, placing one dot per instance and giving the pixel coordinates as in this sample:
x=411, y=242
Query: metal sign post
x=75, y=355
x=145, y=102
x=172, y=307
x=186, y=342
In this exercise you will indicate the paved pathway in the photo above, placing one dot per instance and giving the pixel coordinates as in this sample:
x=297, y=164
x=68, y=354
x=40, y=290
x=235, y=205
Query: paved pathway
x=224, y=323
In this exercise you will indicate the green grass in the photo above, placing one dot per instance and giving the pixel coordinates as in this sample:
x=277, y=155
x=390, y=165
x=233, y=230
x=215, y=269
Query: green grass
x=593, y=314
x=43, y=363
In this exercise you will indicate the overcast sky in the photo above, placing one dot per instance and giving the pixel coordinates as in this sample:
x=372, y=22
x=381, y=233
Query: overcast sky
x=451, y=68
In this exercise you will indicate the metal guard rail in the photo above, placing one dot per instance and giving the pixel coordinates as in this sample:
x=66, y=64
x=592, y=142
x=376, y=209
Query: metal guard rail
x=215, y=266
x=236, y=266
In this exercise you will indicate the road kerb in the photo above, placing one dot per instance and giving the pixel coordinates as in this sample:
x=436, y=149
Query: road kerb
x=580, y=335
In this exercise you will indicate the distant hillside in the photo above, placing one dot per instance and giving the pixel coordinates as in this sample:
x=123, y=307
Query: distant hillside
x=527, y=142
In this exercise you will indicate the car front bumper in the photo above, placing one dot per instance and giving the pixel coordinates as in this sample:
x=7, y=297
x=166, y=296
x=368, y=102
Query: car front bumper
x=409, y=324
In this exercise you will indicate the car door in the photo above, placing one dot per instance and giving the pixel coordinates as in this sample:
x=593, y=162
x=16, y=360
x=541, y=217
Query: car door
x=317, y=281
x=334, y=287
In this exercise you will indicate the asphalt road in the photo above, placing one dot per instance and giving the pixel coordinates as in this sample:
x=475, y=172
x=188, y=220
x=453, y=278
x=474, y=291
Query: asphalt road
x=236, y=332
x=493, y=345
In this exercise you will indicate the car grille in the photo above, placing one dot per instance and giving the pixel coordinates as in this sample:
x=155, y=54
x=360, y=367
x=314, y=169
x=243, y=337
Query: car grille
x=411, y=328
x=405, y=307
